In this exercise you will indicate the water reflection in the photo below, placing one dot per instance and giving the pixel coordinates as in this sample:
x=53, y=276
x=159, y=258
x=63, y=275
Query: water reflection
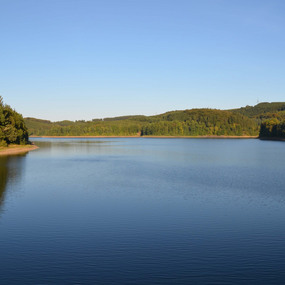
x=63, y=147
x=144, y=211
x=11, y=168
x=3, y=178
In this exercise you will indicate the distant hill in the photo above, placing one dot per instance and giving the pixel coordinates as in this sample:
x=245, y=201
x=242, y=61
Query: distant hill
x=260, y=109
x=194, y=122
x=200, y=122
x=133, y=118
x=37, y=125
x=34, y=122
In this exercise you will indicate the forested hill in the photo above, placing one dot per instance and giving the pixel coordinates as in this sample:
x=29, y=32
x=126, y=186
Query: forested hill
x=270, y=117
x=12, y=126
x=261, y=110
x=195, y=122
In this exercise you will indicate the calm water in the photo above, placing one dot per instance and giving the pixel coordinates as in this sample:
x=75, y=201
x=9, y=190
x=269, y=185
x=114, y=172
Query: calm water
x=144, y=211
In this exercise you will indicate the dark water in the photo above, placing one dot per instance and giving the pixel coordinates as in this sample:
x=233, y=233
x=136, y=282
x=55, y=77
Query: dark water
x=144, y=211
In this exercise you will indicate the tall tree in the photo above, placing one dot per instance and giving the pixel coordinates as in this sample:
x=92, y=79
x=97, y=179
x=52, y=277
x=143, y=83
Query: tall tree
x=12, y=126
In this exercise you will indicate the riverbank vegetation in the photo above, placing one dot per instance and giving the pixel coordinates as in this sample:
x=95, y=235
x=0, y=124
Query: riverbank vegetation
x=273, y=128
x=270, y=117
x=264, y=119
x=12, y=127
x=195, y=122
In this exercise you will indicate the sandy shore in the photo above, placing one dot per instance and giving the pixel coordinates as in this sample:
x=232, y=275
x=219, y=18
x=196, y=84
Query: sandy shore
x=167, y=137
x=16, y=149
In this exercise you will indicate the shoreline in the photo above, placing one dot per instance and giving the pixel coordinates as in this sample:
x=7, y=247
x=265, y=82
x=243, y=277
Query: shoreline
x=272, y=139
x=17, y=149
x=167, y=137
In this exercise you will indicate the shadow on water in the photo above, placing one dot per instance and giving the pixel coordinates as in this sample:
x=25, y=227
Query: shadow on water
x=11, y=168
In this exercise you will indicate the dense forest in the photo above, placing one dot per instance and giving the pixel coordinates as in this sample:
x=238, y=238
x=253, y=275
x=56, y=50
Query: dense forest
x=260, y=109
x=272, y=128
x=246, y=121
x=12, y=126
x=195, y=122
x=263, y=111
x=270, y=117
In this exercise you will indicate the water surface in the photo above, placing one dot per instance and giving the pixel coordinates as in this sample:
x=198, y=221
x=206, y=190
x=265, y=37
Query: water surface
x=143, y=211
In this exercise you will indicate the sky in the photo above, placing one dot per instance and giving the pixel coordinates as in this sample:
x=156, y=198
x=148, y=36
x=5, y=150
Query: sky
x=85, y=59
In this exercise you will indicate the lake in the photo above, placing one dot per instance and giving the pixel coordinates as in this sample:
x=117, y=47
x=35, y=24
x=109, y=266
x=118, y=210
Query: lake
x=144, y=211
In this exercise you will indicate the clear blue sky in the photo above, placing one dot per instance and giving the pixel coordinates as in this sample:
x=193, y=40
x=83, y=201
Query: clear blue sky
x=84, y=59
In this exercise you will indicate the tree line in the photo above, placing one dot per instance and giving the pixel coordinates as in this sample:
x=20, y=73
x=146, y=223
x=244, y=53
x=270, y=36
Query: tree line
x=272, y=128
x=264, y=119
x=195, y=122
x=12, y=126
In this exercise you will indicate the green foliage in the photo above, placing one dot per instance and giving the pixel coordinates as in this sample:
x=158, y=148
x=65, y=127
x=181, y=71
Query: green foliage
x=133, y=118
x=270, y=117
x=12, y=126
x=81, y=128
x=272, y=128
x=249, y=120
x=195, y=122
x=261, y=108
